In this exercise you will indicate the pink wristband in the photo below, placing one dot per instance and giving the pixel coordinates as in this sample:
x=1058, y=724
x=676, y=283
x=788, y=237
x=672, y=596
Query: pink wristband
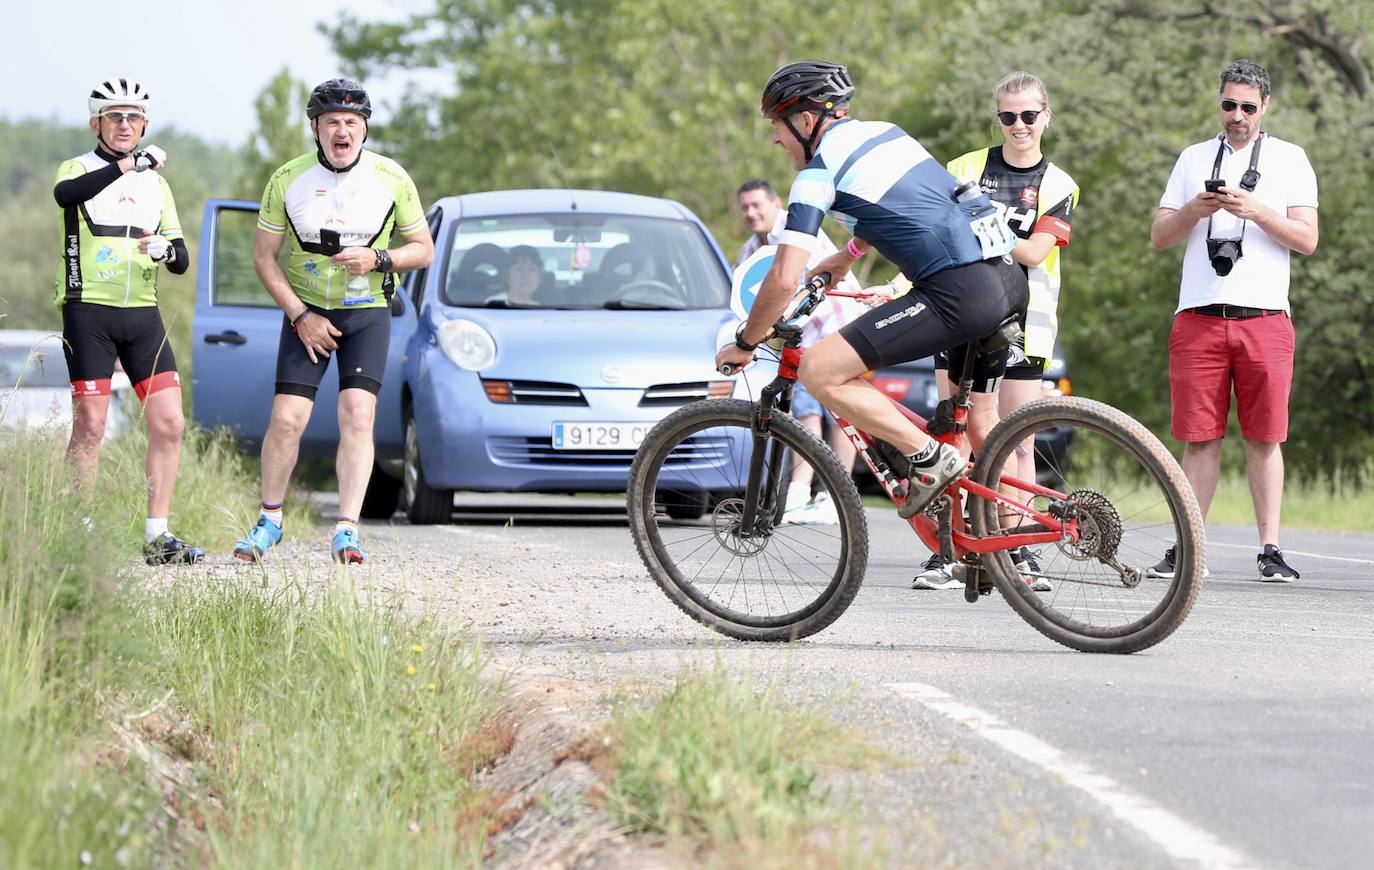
x=853, y=250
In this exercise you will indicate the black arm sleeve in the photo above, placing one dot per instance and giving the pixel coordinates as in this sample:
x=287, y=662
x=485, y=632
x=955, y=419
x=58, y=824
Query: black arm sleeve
x=182, y=262
x=75, y=191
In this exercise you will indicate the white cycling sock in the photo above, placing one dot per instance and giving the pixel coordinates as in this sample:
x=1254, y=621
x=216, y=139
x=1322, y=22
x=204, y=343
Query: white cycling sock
x=153, y=527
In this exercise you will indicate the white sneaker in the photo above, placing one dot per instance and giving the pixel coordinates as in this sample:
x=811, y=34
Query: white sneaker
x=820, y=512
x=798, y=496
x=925, y=484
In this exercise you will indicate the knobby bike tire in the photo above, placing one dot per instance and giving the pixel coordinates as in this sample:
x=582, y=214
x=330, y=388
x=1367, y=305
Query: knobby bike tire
x=1156, y=461
x=644, y=523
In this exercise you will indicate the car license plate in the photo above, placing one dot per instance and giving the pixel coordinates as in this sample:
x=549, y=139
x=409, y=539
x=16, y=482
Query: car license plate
x=599, y=436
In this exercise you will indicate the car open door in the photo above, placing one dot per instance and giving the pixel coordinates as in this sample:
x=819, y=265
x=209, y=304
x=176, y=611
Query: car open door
x=235, y=336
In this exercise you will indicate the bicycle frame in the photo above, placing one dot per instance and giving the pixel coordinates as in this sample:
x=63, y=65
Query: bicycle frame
x=1047, y=527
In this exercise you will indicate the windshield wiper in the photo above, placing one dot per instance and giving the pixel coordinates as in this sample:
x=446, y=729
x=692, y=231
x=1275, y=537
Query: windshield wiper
x=624, y=305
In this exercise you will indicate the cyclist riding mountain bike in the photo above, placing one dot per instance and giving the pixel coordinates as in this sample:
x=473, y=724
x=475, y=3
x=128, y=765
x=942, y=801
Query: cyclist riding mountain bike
x=119, y=223
x=884, y=187
x=339, y=205
x=1038, y=199
x=762, y=212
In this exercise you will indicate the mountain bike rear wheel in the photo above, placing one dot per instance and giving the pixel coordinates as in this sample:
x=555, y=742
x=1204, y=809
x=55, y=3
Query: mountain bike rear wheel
x=790, y=574
x=1131, y=502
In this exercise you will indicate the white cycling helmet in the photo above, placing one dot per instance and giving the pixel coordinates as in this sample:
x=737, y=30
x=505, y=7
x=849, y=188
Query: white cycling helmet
x=117, y=92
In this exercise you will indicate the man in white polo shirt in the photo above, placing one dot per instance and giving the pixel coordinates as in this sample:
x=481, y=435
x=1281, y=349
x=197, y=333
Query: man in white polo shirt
x=1242, y=201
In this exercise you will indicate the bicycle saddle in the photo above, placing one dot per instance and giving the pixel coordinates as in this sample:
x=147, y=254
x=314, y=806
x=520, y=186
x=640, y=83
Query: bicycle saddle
x=1007, y=332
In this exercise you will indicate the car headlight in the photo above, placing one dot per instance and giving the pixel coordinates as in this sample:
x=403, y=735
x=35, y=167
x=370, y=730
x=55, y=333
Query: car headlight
x=466, y=343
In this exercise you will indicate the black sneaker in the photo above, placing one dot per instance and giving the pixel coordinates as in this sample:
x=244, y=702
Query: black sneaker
x=1272, y=568
x=1164, y=570
x=935, y=574
x=168, y=549
x=1029, y=566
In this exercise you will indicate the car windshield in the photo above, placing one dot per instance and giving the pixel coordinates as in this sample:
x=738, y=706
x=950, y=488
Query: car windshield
x=583, y=261
x=44, y=368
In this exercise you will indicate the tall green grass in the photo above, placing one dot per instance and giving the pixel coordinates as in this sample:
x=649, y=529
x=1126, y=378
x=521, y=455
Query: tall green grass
x=735, y=769
x=325, y=731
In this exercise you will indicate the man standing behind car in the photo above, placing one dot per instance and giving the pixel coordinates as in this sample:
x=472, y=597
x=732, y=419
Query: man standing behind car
x=340, y=205
x=1243, y=201
x=118, y=223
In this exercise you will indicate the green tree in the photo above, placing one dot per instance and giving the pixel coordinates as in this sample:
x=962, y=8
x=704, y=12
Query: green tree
x=663, y=100
x=282, y=132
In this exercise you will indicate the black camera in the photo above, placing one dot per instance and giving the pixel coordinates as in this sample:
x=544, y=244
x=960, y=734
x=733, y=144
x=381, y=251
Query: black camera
x=1223, y=253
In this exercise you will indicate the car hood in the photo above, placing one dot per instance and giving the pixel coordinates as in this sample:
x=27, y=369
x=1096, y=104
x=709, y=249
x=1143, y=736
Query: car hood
x=608, y=349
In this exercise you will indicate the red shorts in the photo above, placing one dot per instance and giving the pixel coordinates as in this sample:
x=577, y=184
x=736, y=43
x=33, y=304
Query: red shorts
x=1210, y=355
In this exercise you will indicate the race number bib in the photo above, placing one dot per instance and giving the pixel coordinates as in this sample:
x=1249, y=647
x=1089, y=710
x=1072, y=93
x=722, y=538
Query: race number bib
x=993, y=234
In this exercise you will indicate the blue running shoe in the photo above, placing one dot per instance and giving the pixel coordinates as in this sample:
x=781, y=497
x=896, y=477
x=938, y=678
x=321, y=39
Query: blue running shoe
x=346, y=549
x=262, y=537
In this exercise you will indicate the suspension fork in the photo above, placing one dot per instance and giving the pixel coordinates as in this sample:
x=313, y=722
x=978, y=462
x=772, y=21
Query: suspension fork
x=765, y=466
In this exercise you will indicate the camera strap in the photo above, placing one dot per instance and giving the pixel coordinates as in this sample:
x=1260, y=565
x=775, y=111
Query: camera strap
x=1248, y=182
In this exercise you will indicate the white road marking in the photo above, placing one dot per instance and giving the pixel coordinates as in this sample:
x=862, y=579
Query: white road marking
x=1181, y=840
x=1254, y=548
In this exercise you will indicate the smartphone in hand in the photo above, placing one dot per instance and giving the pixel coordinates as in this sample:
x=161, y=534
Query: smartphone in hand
x=329, y=241
x=1212, y=185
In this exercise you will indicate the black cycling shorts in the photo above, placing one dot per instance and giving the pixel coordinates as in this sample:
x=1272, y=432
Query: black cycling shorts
x=944, y=312
x=361, y=354
x=94, y=336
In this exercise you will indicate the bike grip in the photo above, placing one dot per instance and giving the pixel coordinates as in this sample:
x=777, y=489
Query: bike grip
x=726, y=369
x=822, y=279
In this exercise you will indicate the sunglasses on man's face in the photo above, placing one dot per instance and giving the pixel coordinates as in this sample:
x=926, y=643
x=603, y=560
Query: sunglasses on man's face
x=118, y=118
x=1247, y=108
x=1027, y=117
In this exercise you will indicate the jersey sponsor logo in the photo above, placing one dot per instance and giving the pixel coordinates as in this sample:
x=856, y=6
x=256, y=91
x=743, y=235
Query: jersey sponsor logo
x=147, y=275
x=73, y=261
x=106, y=254
x=107, y=275
x=1029, y=196
x=909, y=311
x=988, y=183
x=311, y=268
x=1021, y=219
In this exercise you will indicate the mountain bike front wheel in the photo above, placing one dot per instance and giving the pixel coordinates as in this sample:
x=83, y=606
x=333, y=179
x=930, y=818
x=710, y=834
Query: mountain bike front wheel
x=754, y=571
x=1129, y=501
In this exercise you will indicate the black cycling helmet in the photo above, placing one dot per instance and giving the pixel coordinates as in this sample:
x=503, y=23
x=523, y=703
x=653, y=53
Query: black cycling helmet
x=338, y=95
x=807, y=86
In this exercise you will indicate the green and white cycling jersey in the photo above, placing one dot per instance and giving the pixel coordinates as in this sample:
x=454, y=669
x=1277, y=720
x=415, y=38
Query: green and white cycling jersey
x=101, y=262
x=364, y=205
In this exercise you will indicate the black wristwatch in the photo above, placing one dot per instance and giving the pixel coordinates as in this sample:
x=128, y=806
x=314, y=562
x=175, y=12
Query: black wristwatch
x=383, y=261
x=740, y=342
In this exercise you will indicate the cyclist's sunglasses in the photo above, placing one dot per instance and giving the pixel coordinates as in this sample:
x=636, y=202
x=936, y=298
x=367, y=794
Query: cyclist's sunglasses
x=1247, y=108
x=120, y=117
x=1027, y=117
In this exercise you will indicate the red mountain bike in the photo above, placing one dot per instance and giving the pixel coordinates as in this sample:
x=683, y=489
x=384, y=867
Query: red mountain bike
x=707, y=502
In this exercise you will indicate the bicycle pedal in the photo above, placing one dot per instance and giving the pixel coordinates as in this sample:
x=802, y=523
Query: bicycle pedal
x=974, y=578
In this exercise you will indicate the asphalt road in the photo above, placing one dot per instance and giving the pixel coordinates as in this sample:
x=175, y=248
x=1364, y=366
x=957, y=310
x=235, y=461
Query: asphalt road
x=1245, y=739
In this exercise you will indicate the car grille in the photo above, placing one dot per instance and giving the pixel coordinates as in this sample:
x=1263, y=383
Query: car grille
x=543, y=393
x=696, y=451
x=674, y=394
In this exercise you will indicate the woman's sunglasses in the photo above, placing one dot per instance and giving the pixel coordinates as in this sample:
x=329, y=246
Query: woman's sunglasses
x=1247, y=108
x=1027, y=117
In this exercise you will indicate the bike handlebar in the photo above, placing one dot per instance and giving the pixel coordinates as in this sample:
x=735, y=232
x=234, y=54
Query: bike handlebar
x=806, y=300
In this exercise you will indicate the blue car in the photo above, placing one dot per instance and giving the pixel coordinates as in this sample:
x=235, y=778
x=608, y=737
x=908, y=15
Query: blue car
x=552, y=331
